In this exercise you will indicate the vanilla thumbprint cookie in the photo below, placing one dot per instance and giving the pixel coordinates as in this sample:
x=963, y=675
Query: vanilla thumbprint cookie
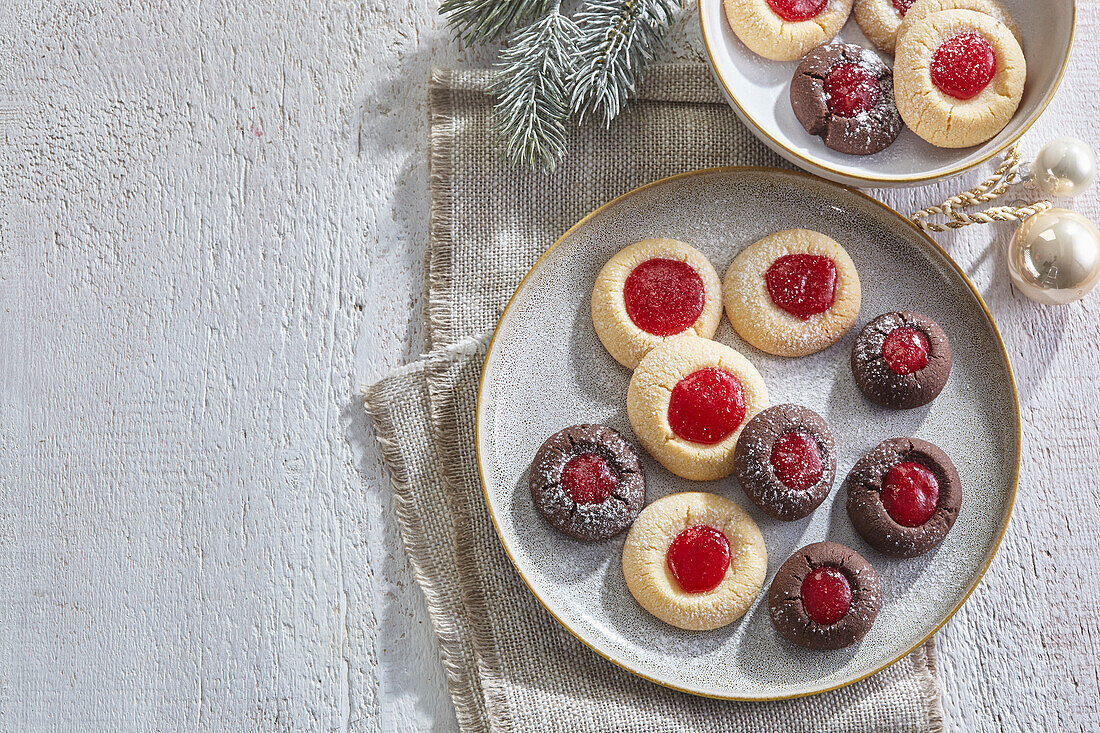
x=786, y=30
x=695, y=560
x=688, y=401
x=958, y=77
x=651, y=291
x=792, y=293
x=880, y=19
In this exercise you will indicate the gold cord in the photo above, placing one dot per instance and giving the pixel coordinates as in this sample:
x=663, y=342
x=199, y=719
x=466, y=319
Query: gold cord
x=989, y=189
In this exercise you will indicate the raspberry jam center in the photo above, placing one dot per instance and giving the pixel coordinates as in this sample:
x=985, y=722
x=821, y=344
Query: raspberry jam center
x=794, y=11
x=826, y=595
x=963, y=65
x=796, y=459
x=588, y=479
x=906, y=350
x=706, y=406
x=902, y=6
x=664, y=296
x=910, y=493
x=698, y=558
x=802, y=285
x=851, y=89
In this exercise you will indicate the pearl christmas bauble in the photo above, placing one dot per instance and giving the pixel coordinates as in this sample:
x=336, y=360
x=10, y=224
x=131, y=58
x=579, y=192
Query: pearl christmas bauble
x=1054, y=257
x=1065, y=167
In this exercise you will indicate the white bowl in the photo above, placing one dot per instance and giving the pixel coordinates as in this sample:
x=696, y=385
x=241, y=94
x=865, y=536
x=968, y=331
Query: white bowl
x=758, y=91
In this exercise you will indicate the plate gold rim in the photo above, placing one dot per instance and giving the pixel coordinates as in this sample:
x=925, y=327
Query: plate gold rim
x=886, y=179
x=875, y=203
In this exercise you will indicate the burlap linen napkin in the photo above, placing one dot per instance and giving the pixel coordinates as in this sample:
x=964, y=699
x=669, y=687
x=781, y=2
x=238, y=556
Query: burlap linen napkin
x=510, y=665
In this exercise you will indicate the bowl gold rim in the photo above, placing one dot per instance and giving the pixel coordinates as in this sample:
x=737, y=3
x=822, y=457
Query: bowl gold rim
x=874, y=202
x=887, y=179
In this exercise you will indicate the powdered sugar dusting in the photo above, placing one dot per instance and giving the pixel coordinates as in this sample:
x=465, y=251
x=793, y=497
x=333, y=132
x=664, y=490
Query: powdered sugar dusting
x=868, y=131
x=900, y=390
x=587, y=521
x=754, y=469
x=870, y=348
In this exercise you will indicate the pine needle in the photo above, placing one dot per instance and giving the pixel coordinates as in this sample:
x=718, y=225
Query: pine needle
x=532, y=80
x=617, y=39
x=482, y=21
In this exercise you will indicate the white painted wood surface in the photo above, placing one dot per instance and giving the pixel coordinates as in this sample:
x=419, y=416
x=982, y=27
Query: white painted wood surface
x=212, y=227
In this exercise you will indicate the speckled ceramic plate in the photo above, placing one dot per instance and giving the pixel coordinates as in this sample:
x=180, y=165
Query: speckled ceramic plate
x=546, y=370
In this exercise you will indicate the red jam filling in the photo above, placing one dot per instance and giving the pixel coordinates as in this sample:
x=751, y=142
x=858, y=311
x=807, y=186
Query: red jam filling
x=826, y=595
x=963, y=65
x=906, y=350
x=910, y=493
x=588, y=479
x=794, y=11
x=902, y=6
x=796, y=459
x=802, y=285
x=664, y=296
x=706, y=406
x=851, y=89
x=698, y=558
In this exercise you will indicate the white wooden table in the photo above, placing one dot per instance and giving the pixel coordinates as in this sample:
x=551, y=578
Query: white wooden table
x=212, y=228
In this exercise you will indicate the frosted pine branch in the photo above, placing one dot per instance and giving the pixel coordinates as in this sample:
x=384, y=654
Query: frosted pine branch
x=617, y=39
x=531, y=84
x=481, y=21
x=554, y=68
